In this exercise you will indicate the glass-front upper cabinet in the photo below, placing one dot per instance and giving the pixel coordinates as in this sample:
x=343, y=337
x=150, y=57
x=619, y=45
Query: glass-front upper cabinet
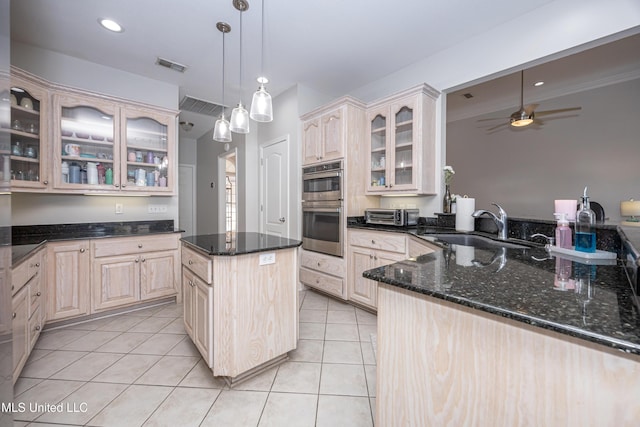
x=147, y=151
x=28, y=131
x=402, y=143
x=85, y=144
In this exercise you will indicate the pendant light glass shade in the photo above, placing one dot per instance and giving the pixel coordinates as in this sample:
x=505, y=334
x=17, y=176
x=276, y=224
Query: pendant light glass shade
x=239, y=119
x=261, y=106
x=239, y=116
x=222, y=132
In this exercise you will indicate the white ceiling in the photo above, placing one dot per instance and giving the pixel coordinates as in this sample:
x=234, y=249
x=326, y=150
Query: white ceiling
x=331, y=46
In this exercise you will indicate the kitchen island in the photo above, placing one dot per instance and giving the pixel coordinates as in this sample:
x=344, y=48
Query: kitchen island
x=470, y=336
x=240, y=300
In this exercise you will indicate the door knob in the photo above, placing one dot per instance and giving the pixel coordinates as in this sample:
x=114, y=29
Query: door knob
x=282, y=220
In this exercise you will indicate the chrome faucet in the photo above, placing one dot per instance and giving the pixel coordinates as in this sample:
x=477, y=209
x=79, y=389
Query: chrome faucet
x=500, y=221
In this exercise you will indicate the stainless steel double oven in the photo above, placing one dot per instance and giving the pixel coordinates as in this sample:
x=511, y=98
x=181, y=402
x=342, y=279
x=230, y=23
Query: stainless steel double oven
x=322, y=213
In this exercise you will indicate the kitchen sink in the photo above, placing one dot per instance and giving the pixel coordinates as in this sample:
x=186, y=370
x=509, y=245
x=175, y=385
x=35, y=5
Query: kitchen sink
x=476, y=241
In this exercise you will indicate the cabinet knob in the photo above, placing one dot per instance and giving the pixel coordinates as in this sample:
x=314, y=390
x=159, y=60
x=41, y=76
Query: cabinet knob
x=373, y=242
x=13, y=316
x=124, y=185
x=38, y=294
x=37, y=328
x=137, y=259
x=370, y=256
x=37, y=264
x=45, y=182
x=117, y=185
x=318, y=263
x=375, y=257
x=140, y=245
x=143, y=260
x=82, y=250
x=190, y=262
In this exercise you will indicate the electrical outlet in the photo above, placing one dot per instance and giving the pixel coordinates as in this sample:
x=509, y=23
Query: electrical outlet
x=269, y=258
x=119, y=208
x=153, y=209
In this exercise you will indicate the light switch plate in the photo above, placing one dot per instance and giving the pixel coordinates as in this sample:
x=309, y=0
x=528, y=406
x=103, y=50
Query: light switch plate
x=119, y=208
x=269, y=258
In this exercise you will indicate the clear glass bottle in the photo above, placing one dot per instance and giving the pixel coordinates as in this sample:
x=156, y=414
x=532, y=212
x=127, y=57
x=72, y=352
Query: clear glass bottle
x=585, y=230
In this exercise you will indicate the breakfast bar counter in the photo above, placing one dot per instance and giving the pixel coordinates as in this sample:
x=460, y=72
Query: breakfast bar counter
x=506, y=336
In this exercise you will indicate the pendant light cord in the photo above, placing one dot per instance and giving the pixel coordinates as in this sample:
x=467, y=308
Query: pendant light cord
x=262, y=41
x=241, y=56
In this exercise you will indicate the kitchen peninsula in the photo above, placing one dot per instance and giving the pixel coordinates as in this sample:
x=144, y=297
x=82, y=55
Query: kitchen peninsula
x=491, y=337
x=240, y=300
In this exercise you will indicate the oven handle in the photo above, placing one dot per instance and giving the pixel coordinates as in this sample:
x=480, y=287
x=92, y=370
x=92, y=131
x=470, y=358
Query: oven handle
x=320, y=175
x=321, y=209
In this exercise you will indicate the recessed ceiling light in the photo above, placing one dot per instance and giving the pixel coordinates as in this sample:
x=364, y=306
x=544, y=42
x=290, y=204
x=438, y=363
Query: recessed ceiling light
x=540, y=83
x=110, y=25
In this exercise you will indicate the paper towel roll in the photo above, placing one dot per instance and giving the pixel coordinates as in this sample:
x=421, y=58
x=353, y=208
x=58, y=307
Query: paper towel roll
x=464, y=220
x=570, y=207
x=465, y=255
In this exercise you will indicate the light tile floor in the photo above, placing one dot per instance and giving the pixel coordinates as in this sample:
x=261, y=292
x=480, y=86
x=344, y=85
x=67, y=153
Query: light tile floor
x=141, y=368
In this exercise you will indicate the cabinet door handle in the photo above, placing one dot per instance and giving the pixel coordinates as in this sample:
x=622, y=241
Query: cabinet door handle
x=137, y=259
x=143, y=260
x=37, y=328
x=37, y=264
x=38, y=293
x=45, y=182
x=318, y=263
x=117, y=185
x=373, y=242
x=124, y=185
x=140, y=245
x=82, y=250
x=190, y=262
x=13, y=316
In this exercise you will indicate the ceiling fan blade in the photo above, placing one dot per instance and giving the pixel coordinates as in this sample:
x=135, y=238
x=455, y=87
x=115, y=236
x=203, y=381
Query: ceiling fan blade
x=498, y=126
x=561, y=110
x=493, y=118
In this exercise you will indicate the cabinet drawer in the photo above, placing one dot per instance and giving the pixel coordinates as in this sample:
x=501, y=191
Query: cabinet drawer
x=324, y=282
x=391, y=242
x=133, y=245
x=198, y=263
x=27, y=269
x=324, y=263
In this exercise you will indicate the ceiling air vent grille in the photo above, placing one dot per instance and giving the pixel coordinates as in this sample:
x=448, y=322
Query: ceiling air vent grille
x=171, y=65
x=199, y=106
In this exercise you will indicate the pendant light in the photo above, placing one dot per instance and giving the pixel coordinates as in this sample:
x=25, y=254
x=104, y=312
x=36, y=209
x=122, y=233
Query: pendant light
x=222, y=132
x=261, y=106
x=239, y=115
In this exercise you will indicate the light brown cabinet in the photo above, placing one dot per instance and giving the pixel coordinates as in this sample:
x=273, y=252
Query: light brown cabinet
x=323, y=137
x=371, y=249
x=67, y=280
x=130, y=147
x=132, y=269
x=198, y=313
x=29, y=134
x=26, y=312
x=323, y=272
x=401, y=143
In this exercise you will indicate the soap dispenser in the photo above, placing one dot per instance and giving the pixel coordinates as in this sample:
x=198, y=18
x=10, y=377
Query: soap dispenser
x=563, y=232
x=585, y=231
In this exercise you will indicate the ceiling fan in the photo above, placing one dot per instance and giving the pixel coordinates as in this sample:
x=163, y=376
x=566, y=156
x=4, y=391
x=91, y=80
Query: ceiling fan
x=526, y=115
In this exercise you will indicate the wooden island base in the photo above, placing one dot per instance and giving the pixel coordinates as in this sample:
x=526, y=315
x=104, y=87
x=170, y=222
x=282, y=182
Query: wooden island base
x=241, y=309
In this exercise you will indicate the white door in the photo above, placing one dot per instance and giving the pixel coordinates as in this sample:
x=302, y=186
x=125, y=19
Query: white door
x=274, y=188
x=187, y=199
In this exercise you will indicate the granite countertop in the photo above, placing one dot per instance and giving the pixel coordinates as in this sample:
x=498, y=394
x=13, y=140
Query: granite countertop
x=597, y=303
x=239, y=243
x=27, y=238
